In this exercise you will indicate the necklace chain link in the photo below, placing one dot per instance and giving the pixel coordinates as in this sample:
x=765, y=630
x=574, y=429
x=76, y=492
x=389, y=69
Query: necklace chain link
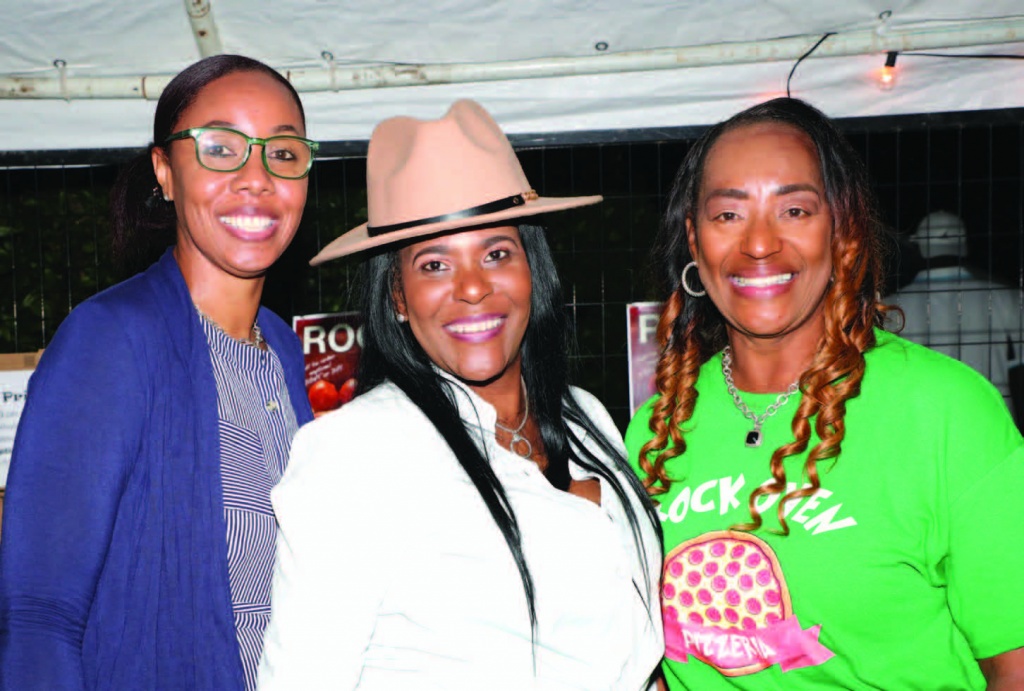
x=758, y=420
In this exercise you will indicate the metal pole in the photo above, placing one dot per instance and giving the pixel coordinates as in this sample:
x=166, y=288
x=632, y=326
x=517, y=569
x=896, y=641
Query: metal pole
x=325, y=78
x=200, y=14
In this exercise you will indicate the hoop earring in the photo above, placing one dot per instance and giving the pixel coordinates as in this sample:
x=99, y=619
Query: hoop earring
x=682, y=280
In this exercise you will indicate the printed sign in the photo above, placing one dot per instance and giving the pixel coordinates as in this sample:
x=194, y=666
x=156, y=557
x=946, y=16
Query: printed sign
x=15, y=369
x=331, y=344
x=642, y=351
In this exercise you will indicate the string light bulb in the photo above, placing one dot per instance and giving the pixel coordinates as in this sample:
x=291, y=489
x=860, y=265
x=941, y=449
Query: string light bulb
x=887, y=75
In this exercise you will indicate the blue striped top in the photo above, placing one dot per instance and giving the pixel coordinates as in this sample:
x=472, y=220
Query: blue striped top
x=257, y=423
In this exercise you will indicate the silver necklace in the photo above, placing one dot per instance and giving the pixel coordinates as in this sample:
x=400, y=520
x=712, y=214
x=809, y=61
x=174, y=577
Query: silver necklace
x=754, y=436
x=257, y=339
x=518, y=440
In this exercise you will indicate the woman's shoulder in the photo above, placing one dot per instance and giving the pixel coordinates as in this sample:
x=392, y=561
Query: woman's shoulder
x=638, y=431
x=136, y=305
x=382, y=415
x=587, y=401
x=379, y=429
x=595, y=412
x=921, y=393
x=912, y=366
x=107, y=329
x=708, y=378
x=592, y=407
x=129, y=299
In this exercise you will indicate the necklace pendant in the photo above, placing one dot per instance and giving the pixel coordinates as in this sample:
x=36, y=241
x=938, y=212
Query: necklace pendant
x=520, y=446
x=754, y=438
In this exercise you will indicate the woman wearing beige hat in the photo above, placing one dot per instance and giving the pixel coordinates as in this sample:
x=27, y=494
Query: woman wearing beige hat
x=468, y=521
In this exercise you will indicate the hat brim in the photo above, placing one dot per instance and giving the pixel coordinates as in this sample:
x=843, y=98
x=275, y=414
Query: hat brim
x=358, y=239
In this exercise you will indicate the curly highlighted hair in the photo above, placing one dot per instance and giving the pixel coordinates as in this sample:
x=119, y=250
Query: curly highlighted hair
x=691, y=330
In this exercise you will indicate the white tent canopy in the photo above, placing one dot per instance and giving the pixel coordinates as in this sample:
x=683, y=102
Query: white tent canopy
x=85, y=74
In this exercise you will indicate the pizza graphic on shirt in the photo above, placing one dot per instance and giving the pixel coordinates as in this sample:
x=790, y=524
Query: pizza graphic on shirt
x=725, y=602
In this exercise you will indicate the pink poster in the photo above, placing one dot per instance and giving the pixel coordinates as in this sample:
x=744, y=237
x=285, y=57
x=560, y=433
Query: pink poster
x=642, y=350
x=331, y=344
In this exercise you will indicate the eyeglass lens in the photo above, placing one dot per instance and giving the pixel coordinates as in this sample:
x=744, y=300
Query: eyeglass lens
x=225, y=151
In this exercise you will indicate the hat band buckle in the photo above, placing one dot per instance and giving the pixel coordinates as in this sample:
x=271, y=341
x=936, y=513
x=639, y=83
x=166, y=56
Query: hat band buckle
x=481, y=210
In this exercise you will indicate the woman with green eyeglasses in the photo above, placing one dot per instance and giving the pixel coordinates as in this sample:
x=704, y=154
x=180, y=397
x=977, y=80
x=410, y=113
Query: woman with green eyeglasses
x=138, y=538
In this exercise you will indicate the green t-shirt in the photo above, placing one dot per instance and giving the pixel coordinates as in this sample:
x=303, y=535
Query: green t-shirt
x=902, y=570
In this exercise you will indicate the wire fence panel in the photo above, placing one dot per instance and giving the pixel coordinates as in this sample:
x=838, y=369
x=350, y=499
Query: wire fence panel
x=54, y=232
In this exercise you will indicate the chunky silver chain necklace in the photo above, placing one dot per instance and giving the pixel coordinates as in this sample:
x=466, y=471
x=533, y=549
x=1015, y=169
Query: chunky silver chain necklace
x=519, y=445
x=754, y=436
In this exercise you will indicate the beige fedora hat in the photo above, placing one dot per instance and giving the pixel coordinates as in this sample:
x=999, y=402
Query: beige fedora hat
x=428, y=176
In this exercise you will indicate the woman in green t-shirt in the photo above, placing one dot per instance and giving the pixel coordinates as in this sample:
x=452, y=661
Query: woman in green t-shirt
x=838, y=503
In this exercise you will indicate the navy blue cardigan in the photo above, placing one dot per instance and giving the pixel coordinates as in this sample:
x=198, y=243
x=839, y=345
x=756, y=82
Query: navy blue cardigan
x=113, y=560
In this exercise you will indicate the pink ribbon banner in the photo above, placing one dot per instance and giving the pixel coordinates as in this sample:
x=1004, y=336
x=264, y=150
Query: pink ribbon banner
x=736, y=653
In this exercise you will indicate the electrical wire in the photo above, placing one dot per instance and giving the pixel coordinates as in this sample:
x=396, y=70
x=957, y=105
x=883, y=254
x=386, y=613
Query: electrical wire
x=801, y=58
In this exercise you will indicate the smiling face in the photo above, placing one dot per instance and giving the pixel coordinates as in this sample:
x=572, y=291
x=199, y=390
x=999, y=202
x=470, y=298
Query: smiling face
x=232, y=224
x=762, y=233
x=467, y=297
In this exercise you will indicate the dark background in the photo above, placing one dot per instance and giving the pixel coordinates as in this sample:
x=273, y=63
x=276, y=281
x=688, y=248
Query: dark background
x=54, y=235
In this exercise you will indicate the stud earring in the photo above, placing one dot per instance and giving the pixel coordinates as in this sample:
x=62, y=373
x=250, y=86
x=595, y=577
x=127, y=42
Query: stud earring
x=401, y=318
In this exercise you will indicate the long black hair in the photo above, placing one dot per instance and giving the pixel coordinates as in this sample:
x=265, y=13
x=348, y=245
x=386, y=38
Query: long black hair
x=391, y=353
x=143, y=223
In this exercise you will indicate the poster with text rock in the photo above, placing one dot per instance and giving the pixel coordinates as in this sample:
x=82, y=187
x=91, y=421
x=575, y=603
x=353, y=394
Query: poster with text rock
x=331, y=344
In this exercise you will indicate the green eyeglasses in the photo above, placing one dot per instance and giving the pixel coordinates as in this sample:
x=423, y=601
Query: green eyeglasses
x=225, y=150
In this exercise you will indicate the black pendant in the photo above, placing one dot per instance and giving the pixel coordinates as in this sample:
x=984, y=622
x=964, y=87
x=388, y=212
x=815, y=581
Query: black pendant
x=754, y=438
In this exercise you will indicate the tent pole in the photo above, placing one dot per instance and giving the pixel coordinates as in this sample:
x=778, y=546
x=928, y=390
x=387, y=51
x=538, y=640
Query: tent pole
x=335, y=78
x=204, y=29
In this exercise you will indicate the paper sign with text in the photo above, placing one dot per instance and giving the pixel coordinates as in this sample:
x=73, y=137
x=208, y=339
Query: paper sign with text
x=331, y=344
x=642, y=351
x=15, y=370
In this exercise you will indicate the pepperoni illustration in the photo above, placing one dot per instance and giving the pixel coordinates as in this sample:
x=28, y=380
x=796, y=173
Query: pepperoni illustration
x=728, y=580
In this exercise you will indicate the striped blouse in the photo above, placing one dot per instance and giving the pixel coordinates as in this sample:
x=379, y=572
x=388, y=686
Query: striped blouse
x=257, y=423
